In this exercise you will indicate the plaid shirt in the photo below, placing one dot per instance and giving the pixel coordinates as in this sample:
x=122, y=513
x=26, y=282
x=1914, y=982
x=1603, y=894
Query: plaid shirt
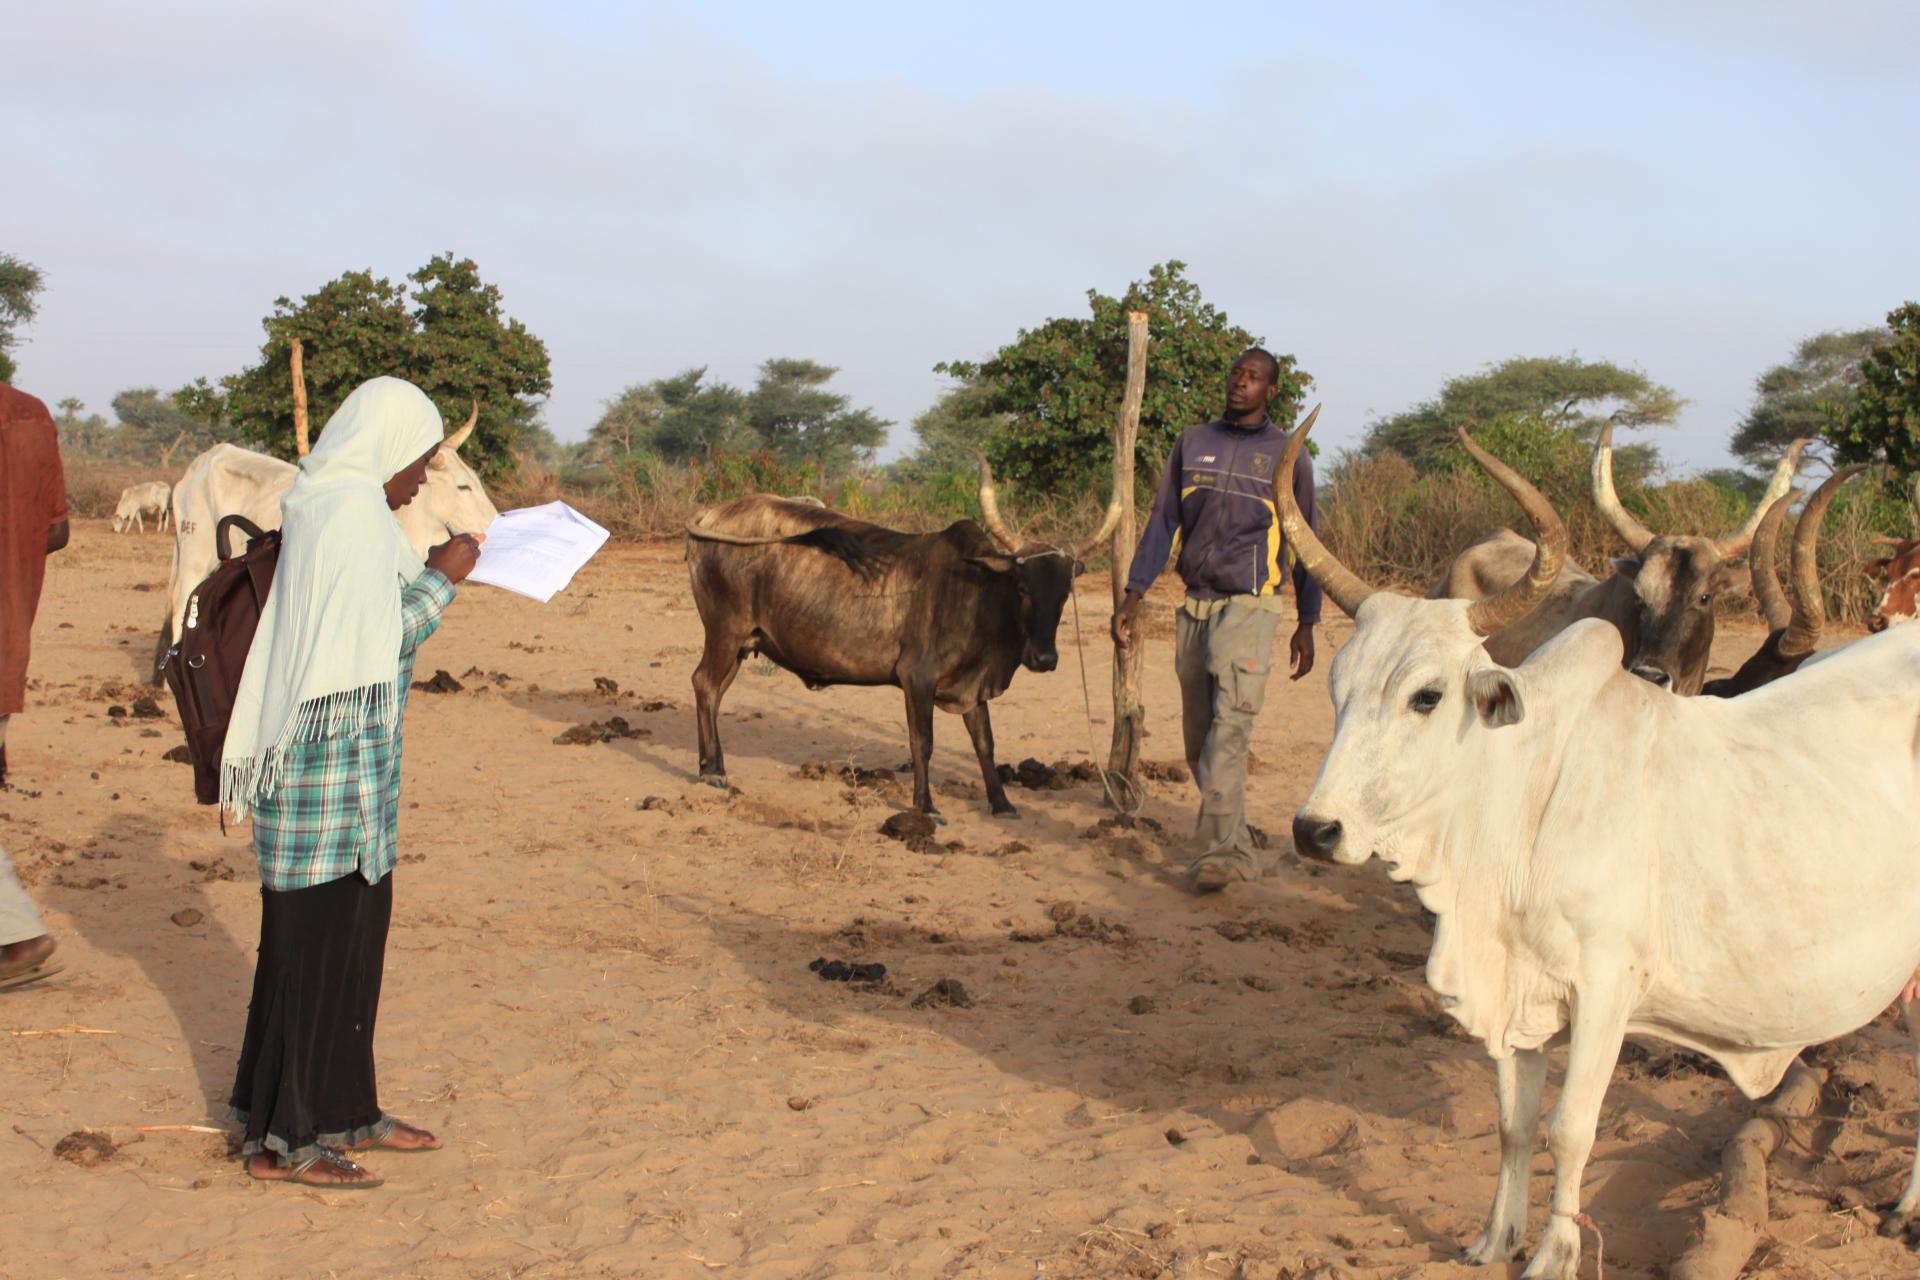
x=337, y=808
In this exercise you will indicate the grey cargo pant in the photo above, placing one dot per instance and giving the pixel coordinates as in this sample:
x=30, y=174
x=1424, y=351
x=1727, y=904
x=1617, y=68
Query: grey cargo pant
x=18, y=919
x=1223, y=662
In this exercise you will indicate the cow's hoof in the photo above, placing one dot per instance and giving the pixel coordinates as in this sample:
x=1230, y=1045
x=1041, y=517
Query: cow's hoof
x=1487, y=1250
x=1558, y=1257
x=934, y=818
x=718, y=781
x=1894, y=1225
x=1006, y=811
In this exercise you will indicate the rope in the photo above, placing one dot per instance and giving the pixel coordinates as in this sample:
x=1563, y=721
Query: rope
x=1107, y=777
x=1599, y=1241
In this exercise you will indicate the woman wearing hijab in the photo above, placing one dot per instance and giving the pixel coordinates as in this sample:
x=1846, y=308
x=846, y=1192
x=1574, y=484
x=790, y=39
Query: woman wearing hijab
x=313, y=754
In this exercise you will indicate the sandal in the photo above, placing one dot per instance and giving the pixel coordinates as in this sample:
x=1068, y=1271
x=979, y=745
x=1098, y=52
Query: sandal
x=31, y=968
x=383, y=1134
x=329, y=1160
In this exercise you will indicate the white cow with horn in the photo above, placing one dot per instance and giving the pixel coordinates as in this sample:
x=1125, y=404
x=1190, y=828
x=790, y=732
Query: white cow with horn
x=1738, y=876
x=228, y=480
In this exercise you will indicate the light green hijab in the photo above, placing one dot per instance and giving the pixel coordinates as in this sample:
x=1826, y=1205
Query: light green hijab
x=325, y=661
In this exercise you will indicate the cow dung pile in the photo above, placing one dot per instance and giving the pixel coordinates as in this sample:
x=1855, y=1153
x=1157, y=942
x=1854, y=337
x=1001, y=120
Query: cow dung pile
x=442, y=682
x=607, y=730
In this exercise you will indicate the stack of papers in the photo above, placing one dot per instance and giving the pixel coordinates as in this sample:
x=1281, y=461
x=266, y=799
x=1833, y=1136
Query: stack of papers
x=535, y=551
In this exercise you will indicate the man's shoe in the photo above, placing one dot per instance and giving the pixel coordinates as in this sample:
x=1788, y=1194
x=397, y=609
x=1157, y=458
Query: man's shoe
x=1212, y=872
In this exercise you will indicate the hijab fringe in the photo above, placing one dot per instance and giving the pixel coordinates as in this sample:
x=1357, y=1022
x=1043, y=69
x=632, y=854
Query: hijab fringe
x=346, y=714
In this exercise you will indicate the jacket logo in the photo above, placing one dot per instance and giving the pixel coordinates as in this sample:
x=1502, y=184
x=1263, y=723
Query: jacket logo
x=1261, y=461
x=1208, y=458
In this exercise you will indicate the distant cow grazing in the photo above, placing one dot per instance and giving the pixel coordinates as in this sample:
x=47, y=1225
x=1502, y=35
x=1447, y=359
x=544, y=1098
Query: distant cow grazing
x=138, y=501
x=228, y=480
x=946, y=617
x=1739, y=877
x=1661, y=598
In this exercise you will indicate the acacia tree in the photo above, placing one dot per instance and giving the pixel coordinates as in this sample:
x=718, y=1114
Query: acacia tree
x=19, y=283
x=958, y=421
x=155, y=426
x=1884, y=421
x=448, y=337
x=1803, y=396
x=1558, y=393
x=793, y=414
x=1059, y=385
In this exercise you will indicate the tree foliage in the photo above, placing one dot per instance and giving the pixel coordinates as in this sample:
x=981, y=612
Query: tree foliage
x=155, y=427
x=1803, y=396
x=789, y=415
x=1556, y=391
x=1884, y=421
x=20, y=283
x=1059, y=385
x=447, y=335
x=961, y=419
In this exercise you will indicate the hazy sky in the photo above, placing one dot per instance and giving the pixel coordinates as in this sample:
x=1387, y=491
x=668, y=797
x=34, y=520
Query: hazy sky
x=1394, y=193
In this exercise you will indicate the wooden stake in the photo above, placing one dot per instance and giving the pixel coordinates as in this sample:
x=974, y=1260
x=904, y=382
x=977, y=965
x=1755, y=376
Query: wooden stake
x=1729, y=1232
x=300, y=445
x=1129, y=714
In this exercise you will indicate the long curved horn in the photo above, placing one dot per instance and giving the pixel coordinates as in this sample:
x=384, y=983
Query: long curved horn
x=1509, y=605
x=1916, y=502
x=1736, y=543
x=990, y=508
x=459, y=437
x=1761, y=558
x=1346, y=587
x=1631, y=531
x=301, y=442
x=1809, y=611
x=1114, y=508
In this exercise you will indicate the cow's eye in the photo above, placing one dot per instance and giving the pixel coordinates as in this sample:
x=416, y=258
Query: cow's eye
x=1424, y=701
x=466, y=488
x=1706, y=598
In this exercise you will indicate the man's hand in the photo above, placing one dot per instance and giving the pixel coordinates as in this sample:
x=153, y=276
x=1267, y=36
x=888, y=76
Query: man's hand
x=56, y=537
x=1122, y=628
x=1300, y=650
x=457, y=555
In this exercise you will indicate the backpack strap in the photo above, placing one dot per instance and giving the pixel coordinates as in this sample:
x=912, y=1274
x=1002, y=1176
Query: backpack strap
x=246, y=526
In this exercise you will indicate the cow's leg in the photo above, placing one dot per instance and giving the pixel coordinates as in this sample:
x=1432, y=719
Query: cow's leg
x=920, y=742
x=1600, y=1010
x=1520, y=1077
x=1902, y=1213
x=719, y=664
x=980, y=729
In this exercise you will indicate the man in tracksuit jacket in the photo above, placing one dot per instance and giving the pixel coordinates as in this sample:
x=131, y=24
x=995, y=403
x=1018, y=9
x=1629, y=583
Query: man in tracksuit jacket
x=1216, y=499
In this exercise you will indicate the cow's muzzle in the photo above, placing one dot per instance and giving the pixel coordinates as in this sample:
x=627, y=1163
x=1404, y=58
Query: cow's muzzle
x=1315, y=838
x=1654, y=675
x=1044, y=661
x=1877, y=623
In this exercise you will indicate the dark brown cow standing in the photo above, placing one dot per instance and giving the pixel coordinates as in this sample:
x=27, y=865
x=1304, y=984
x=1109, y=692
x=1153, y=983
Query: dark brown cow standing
x=947, y=617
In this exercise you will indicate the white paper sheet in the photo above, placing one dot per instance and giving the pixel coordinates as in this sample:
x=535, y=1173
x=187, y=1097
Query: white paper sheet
x=535, y=551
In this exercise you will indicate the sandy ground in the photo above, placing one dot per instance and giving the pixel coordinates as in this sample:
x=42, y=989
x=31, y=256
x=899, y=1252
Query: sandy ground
x=599, y=993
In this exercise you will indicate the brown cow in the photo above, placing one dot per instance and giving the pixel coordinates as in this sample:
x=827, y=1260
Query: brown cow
x=946, y=617
x=1661, y=598
x=1901, y=571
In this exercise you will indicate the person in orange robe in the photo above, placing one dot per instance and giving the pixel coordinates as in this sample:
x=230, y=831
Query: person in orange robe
x=33, y=525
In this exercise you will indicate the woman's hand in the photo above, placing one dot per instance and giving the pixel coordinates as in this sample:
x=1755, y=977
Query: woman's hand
x=456, y=556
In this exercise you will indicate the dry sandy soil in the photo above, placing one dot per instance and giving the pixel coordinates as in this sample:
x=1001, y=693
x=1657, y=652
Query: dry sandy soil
x=599, y=992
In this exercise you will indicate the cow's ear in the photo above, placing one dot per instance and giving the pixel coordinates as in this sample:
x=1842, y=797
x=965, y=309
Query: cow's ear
x=438, y=461
x=1496, y=696
x=1877, y=568
x=1626, y=566
x=995, y=563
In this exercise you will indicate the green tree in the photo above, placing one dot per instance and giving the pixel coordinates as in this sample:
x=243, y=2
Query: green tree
x=1884, y=421
x=153, y=427
x=1799, y=398
x=679, y=419
x=20, y=282
x=1556, y=391
x=627, y=425
x=1060, y=384
x=448, y=337
x=795, y=416
x=91, y=436
x=958, y=421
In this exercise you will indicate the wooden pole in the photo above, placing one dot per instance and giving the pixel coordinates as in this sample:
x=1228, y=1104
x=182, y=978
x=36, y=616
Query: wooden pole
x=1129, y=714
x=1730, y=1230
x=300, y=444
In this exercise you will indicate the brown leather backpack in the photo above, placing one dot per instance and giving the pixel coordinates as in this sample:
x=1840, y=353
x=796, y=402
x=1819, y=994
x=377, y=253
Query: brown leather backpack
x=203, y=668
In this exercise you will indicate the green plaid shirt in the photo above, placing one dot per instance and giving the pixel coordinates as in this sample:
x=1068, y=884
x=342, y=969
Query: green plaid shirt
x=337, y=808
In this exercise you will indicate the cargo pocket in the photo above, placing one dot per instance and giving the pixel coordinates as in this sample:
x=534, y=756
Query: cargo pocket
x=1247, y=684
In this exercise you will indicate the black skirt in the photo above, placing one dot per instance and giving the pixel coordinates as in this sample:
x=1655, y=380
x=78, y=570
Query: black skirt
x=306, y=1066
